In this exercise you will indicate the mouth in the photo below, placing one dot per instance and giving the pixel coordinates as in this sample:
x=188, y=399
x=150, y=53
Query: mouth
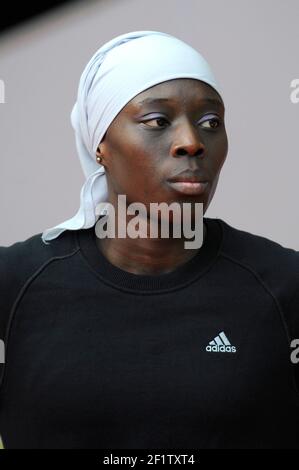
x=192, y=188
x=190, y=183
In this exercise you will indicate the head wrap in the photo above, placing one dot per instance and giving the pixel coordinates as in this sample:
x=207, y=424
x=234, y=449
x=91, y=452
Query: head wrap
x=117, y=72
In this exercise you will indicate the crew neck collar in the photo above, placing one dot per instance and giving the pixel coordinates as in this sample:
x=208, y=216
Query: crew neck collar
x=144, y=283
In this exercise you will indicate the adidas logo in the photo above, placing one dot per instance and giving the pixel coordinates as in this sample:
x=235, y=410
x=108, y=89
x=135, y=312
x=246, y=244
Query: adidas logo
x=220, y=344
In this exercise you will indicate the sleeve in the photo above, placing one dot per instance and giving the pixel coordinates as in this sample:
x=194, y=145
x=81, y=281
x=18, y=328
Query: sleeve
x=5, y=303
x=293, y=325
x=17, y=263
x=10, y=283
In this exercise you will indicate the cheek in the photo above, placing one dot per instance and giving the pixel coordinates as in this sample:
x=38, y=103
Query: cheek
x=143, y=164
x=134, y=173
x=223, y=146
x=218, y=152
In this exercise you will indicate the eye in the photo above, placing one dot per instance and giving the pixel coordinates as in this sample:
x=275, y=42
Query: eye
x=214, y=122
x=210, y=122
x=158, y=118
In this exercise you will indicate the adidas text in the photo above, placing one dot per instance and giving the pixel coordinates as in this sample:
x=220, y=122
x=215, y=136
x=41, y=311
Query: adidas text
x=218, y=348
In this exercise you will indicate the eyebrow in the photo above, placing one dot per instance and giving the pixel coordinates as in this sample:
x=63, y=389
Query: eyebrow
x=161, y=100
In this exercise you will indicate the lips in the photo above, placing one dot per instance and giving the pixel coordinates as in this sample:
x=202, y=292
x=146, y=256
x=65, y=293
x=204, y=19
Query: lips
x=189, y=176
x=189, y=188
x=190, y=183
x=190, y=179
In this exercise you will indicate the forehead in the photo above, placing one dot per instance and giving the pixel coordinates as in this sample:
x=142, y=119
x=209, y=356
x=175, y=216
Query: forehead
x=176, y=91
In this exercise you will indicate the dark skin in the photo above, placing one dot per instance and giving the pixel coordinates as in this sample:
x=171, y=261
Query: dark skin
x=150, y=142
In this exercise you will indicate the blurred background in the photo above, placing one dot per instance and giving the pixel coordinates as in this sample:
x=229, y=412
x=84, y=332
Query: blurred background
x=252, y=47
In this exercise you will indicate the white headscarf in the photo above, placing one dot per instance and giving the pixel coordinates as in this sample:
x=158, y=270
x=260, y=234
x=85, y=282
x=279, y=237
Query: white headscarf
x=118, y=71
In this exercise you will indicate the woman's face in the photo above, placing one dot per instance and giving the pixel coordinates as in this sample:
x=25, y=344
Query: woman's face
x=171, y=128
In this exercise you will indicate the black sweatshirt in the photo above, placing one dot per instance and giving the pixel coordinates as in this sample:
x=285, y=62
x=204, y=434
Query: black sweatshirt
x=97, y=357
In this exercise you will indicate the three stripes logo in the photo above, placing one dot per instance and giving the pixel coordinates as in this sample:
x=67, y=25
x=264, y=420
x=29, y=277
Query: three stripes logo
x=220, y=344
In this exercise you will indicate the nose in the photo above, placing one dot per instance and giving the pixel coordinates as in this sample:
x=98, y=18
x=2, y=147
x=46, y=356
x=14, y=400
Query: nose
x=187, y=142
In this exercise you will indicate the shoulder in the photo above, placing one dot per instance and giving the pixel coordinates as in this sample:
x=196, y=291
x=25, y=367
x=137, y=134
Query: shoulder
x=23, y=257
x=257, y=250
x=275, y=265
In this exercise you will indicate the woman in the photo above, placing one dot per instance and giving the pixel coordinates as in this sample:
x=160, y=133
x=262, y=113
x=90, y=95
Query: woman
x=125, y=342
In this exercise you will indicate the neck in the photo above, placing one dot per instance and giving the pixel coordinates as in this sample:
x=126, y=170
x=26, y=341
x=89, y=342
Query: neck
x=147, y=255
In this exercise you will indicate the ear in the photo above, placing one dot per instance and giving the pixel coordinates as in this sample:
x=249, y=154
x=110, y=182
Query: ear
x=99, y=150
